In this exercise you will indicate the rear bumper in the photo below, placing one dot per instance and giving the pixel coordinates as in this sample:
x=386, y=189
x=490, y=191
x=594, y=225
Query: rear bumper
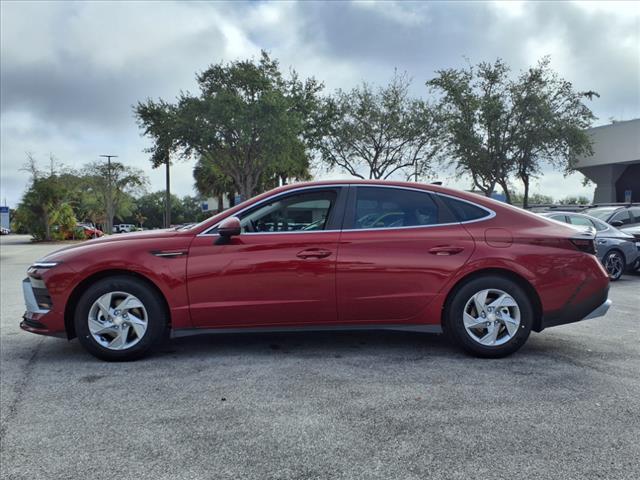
x=600, y=311
x=596, y=306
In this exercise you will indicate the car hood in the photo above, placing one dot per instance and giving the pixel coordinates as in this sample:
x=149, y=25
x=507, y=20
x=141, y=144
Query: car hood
x=97, y=243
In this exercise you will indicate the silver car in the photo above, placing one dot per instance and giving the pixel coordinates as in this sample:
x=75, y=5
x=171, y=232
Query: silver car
x=616, y=250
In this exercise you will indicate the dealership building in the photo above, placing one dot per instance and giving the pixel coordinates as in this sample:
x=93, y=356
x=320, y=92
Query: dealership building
x=615, y=164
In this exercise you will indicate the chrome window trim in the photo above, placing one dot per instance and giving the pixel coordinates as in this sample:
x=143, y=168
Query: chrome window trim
x=491, y=213
x=287, y=192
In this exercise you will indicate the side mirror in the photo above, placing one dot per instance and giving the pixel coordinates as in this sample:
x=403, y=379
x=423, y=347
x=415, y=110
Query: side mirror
x=230, y=227
x=617, y=223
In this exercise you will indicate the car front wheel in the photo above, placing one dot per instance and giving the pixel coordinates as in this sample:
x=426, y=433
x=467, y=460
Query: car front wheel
x=120, y=318
x=489, y=316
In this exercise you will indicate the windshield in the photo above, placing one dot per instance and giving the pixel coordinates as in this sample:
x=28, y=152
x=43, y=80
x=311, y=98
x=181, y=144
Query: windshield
x=601, y=213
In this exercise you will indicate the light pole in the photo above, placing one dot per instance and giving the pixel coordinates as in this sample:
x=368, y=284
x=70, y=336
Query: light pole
x=109, y=198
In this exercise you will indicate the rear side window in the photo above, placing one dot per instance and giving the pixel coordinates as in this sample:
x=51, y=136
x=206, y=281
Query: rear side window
x=464, y=211
x=635, y=212
x=381, y=207
x=576, y=220
x=623, y=216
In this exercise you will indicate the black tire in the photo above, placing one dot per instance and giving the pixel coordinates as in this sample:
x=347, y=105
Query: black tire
x=614, y=256
x=454, y=316
x=157, y=318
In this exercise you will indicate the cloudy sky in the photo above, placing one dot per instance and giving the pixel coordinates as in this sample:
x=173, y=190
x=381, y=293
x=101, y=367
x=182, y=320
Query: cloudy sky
x=70, y=72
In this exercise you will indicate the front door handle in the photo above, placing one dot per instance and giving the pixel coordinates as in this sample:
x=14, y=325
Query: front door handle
x=313, y=253
x=445, y=250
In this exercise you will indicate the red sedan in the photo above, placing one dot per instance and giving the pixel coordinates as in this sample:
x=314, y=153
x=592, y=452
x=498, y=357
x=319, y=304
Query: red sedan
x=325, y=255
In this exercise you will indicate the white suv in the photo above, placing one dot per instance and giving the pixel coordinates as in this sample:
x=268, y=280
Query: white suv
x=124, y=228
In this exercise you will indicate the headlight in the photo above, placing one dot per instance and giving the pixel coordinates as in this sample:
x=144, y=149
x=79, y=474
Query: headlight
x=45, y=264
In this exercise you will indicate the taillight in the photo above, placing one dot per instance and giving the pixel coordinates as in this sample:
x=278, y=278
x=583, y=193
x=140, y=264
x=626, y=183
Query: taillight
x=587, y=245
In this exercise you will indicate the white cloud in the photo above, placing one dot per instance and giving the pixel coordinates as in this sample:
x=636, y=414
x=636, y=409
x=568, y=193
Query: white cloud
x=71, y=71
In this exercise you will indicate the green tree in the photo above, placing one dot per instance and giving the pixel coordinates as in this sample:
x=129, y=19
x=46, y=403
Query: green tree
x=476, y=115
x=550, y=122
x=115, y=182
x=64, y=220
x=536, y=198
x=151, y=207
x=45, y=201
x=376, y=133
x=498, y=127
x=248, y=119
x=574, y=200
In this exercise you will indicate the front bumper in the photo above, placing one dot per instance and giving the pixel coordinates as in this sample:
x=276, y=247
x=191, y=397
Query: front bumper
x=31, y=320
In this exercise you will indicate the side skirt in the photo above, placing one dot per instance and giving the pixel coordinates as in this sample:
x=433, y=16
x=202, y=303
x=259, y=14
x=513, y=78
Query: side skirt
x=186, y=332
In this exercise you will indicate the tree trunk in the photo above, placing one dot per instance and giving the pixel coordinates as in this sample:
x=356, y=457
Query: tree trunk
x=525, y=199
x=47, y=226
x=505, y=189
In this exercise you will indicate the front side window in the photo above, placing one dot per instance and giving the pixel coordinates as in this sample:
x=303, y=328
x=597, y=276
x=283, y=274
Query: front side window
x=378, y=207
x=299, y=212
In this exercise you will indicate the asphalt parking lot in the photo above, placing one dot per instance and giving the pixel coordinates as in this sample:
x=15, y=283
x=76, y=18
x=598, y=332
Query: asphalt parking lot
x=321, y=405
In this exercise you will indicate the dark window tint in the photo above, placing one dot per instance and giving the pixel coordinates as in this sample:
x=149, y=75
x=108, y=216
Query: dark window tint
x=305, y=211
x=393, y=208
x=465, y=211
x=622, y=216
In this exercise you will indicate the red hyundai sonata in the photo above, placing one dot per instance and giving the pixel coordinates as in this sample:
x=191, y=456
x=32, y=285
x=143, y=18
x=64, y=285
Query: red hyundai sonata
x=325, y=255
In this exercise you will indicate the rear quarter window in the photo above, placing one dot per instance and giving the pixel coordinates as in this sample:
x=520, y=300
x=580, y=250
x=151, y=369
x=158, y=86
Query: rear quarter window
x=464, y=211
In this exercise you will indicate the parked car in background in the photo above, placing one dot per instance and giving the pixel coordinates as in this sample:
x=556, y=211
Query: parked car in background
x=124, y=228
x=88, y=230
x=617, y=250
x=616, y=215
x=91, y=231
x=345, y=255
x=4, y=231
x=635, y=231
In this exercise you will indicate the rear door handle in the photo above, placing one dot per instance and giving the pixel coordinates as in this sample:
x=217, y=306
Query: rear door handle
x=313, y=253
x=445, y=250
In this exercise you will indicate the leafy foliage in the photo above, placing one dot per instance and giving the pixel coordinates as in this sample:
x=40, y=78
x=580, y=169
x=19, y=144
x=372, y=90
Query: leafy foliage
x=378, y=133
x=248, y=127
x=111, y=188
x=497, y=127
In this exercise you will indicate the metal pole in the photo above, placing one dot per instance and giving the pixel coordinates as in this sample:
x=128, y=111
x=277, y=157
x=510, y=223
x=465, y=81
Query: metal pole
x=109, y=205
x=167, y=206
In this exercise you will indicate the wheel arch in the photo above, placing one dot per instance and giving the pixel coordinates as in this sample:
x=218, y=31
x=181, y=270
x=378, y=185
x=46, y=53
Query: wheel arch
x=503, y=272
x=81, y=287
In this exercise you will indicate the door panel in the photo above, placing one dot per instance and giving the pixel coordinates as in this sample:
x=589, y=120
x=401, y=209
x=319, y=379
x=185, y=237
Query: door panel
x=261, y=280
x=279, y=271
x=390, y=274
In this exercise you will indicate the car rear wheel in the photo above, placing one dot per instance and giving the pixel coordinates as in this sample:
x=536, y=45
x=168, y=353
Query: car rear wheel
x=614, y=264
x=120, y=318
x=489, y=316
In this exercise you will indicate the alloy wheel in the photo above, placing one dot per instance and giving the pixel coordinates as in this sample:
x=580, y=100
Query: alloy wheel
x=117, y=320
x=614, y=265
x=491, y=317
